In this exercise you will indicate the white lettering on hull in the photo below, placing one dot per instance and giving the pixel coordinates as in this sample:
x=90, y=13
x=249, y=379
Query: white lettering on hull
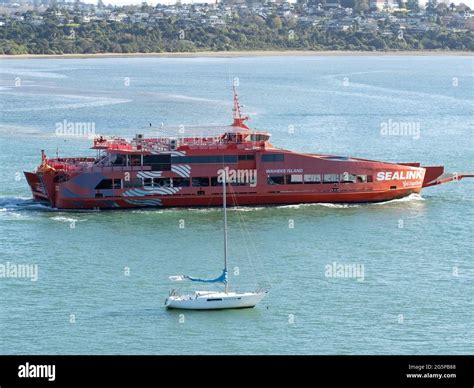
x=285, y=170
x=400, y=175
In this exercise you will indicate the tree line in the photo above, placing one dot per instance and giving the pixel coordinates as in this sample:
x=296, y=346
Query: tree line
x=251, y=33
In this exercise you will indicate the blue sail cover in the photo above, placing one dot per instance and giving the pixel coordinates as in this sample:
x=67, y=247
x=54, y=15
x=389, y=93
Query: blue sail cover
x=221, y=279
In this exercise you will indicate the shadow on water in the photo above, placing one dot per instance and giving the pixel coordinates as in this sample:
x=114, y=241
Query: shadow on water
x=160, y=311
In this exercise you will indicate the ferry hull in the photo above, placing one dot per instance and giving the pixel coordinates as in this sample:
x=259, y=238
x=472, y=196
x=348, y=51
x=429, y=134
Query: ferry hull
x=78, y=191
x=242, y=200
x=41, y=188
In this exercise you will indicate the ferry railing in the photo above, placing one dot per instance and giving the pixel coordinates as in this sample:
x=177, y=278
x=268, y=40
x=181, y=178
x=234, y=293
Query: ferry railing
x=171, y=144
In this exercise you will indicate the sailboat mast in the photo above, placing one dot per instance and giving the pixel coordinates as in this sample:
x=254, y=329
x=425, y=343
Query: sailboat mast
x=224, y=200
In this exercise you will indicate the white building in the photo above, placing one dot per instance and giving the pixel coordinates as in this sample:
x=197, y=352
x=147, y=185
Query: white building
x=383, y=4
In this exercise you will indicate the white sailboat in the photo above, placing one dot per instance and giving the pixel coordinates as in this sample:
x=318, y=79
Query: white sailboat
x=214, y=300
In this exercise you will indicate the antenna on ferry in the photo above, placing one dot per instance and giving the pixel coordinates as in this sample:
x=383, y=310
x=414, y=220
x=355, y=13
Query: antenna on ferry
x=237, y=115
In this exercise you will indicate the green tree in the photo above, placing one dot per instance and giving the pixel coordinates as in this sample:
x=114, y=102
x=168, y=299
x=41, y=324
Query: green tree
x=461, y=8
x=275, y=22
x=379, y=43
x=441, y=9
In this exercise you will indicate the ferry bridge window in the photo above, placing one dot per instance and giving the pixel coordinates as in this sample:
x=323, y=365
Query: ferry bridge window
x=361, y=178
x=162, y=182
x=246, y=157
x=117, y=184
x=118, y=160
x=294, y=179
x=369, y=178
x=200, y=181
x=259, y=137
x=312, y=178
x=273, y=158
x=348, y=178
x=331, y=178
x=147, y=182
x=158, y=162
x=135, y=182
x=276, y=179
x=104, y=184
x=180, y=182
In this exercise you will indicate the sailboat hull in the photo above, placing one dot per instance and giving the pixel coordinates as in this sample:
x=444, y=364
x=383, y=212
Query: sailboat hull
x=208, y=300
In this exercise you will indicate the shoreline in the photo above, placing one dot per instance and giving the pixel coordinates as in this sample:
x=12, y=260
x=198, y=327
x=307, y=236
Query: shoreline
x=240, y=54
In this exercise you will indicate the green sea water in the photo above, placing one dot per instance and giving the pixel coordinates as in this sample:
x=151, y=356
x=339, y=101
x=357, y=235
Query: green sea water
x=103, y=276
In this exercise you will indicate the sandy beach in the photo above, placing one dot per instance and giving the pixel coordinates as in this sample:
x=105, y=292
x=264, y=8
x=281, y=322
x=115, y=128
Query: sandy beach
x=236, y=54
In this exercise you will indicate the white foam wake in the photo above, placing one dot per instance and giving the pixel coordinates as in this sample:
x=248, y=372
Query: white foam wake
x=67, y=219
x=410, y=198
x=86, y=102
x=11, y=204
x=32, y=74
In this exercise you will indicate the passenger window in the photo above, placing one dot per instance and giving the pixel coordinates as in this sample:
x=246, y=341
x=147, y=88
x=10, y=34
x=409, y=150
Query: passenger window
x=118, y=160
x=276, y=179
x=273, y=158
x=104, y=184
x=312, y=178
x=180, y=182
x=331, y=178
x=348, y=178
x=135, y=182
x=162, y=182
x=158, y=162
x=135, y=160
x=200, y=182
x=294, y=179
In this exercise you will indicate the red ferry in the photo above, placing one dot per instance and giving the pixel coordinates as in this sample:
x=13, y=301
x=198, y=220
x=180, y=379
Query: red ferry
x=186, y=171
